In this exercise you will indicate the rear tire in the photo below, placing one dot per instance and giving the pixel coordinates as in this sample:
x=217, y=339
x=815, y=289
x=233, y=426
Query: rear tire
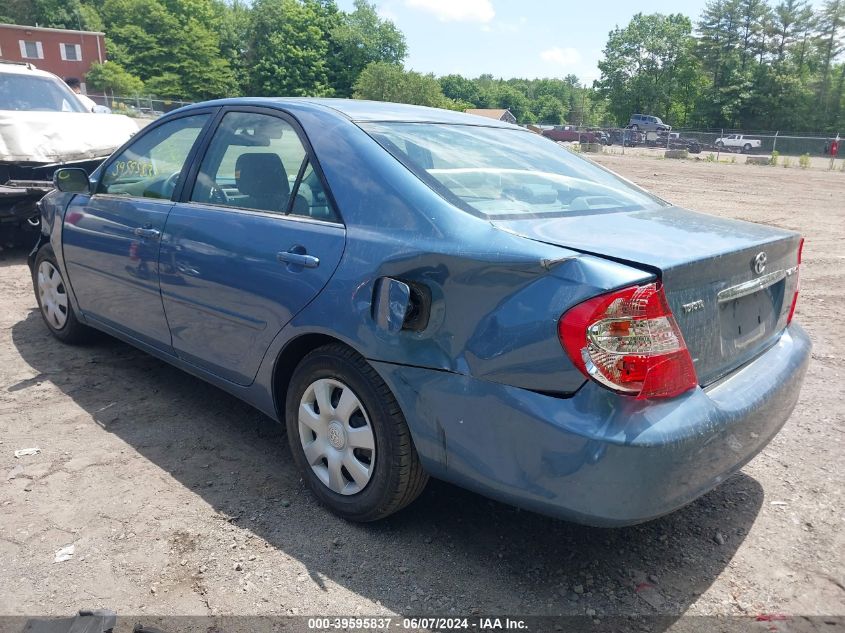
x=54, y=301
x=746, y=148
x=355, y=452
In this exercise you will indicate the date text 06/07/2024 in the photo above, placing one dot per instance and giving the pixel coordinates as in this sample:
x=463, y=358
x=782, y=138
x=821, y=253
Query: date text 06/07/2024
x=423, y=623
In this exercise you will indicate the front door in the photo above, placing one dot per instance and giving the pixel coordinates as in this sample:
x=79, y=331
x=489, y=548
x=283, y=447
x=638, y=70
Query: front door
x=111, y=239
x=251, y=244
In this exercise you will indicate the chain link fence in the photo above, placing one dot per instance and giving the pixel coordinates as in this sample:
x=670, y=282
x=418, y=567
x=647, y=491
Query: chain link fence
x=761, y=143
x=138, y=106
x=698, y=141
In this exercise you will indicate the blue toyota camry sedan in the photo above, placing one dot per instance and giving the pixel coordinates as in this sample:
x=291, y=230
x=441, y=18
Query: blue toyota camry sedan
x=414, y=292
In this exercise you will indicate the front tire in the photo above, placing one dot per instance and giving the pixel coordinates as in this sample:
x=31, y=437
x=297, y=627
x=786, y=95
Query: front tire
x=53, y=300
x=349, y=437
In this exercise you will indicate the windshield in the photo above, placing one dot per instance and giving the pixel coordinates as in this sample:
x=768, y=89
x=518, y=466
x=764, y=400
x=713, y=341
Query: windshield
x=33, y=93
x=505, y=173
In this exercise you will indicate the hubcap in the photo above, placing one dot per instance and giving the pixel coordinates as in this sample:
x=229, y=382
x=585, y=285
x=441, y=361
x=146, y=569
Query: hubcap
x=52, y=295
x=336, y=436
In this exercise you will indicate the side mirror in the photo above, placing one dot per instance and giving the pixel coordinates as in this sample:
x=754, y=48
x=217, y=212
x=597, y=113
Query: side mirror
x=101, y=109
x=72, y=180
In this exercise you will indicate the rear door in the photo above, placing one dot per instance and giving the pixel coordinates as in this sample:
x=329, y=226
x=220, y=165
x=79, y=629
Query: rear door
x=111, y=239
x=253, y=240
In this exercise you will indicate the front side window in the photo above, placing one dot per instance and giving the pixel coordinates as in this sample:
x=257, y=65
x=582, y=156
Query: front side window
x=256, y=161
x=152, y=165
x=24, y=92
x=504, y=172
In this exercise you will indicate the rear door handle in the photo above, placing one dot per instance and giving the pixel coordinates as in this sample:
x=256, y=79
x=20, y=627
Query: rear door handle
x=147, y=233
x=298, y=259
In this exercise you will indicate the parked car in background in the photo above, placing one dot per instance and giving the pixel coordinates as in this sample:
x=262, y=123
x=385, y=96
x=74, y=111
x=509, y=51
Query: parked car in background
x=570, y=133
x=489, y=309
x=673, y=140
x=739, y=142
x=43, y=125
x=647, y=123
x=627, y=137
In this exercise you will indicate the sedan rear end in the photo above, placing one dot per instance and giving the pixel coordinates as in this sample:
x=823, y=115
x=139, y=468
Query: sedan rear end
x=686, y=374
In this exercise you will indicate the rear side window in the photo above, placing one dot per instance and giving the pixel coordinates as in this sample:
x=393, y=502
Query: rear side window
x=505, y=172
x=256, y=161
x=152, y=165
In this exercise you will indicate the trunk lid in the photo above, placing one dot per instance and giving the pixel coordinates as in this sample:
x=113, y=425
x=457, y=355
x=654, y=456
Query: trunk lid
x=729, y=304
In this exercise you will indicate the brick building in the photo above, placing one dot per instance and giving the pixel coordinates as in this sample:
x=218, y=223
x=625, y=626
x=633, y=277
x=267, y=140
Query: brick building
x=63, y=52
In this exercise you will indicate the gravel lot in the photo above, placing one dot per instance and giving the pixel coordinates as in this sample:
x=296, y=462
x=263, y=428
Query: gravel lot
x=179, y=499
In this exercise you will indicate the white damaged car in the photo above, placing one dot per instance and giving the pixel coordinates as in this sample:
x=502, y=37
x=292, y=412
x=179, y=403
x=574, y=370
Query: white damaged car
x=43, y=126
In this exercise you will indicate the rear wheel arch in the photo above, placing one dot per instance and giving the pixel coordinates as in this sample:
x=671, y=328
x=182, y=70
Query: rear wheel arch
x=289, y=358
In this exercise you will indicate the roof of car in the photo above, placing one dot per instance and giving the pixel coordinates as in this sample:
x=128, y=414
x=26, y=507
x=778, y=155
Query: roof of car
x=360, y=110
x=22, y=68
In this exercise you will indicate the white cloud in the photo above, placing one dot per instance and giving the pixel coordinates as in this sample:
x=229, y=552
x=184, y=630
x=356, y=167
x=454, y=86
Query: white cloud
x=565, y=57
x=456, y=10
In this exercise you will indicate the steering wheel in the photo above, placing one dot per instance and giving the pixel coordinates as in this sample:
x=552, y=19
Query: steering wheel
x=170, y=184
x=217, y=195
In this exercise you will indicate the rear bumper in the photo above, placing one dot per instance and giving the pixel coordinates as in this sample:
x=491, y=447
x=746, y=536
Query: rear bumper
x=598, y=458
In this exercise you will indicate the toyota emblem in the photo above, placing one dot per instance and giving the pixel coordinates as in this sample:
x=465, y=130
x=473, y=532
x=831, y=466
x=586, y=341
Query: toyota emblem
x=759, y=262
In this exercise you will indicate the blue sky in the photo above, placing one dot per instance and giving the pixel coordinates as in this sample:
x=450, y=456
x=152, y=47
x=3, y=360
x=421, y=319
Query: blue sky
x=514, y=38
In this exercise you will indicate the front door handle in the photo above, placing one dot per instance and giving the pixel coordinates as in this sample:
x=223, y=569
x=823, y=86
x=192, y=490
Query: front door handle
x=147, y=233
x=298, y=259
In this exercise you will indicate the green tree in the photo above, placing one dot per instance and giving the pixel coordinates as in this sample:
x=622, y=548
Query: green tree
x=166, y=85
x=289, y=47
x=460, y=88
x=790, y=21
x=114, y=78
x=550, y=110
x=60, y=14
x=830, y=43
x=515, y=101
x=234, y=28
x=381, y=81
x=755, y=16
x=173, y=52
x=359, y=39
x=646, y=66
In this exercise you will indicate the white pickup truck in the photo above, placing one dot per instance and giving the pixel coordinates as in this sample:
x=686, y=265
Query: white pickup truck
x=738, y=141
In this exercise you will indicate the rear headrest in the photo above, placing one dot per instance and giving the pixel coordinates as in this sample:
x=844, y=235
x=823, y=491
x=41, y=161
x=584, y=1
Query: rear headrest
x=261, y=175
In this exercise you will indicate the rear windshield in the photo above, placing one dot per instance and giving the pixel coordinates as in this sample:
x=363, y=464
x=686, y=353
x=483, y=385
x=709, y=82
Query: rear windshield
x=505, y=172
x=36, y=94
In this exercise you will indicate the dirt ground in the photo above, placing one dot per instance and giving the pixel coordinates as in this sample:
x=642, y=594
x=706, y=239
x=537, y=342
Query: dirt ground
x=179, y=499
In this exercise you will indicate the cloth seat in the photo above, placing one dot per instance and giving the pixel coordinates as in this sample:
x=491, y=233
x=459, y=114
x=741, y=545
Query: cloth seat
x=262, y=178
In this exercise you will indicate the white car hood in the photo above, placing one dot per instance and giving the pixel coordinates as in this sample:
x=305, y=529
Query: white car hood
x=57, y=137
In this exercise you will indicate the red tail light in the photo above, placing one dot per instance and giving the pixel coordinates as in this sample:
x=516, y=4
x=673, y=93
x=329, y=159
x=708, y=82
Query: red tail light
x=797, y=283
x=629, y=341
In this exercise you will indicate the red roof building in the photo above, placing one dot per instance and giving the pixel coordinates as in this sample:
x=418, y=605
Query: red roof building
x=63, y=52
